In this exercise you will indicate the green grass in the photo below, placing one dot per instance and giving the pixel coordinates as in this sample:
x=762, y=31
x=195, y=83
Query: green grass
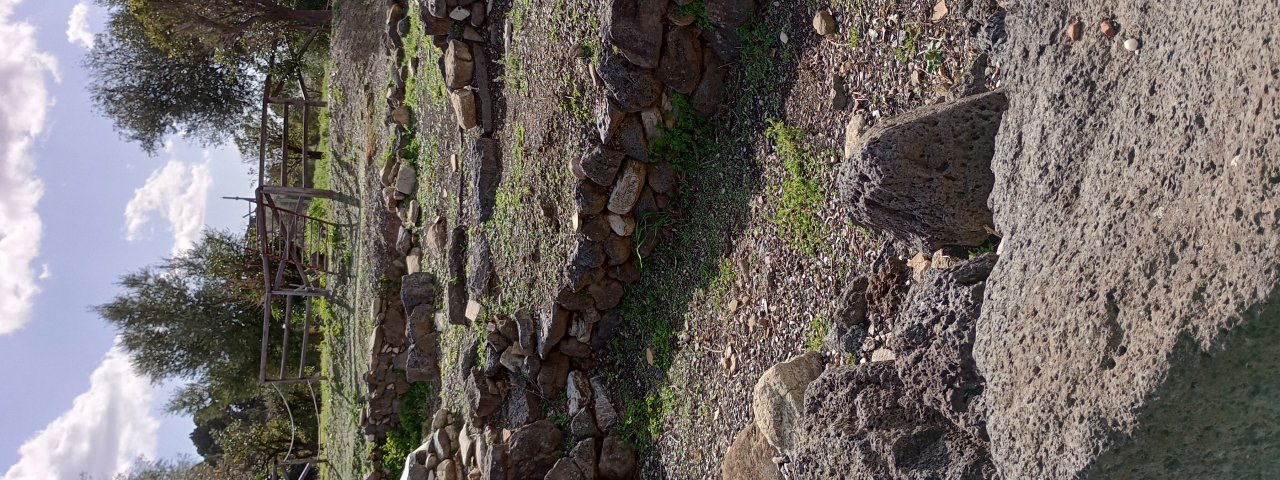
x=907, y=50
x=408, y=435
x=758, y=43
x=574, y=101
x=685, y=144
x=933, y=58
x=802, y=193
x=642, y=417
x=816, y=333
x=698, y=10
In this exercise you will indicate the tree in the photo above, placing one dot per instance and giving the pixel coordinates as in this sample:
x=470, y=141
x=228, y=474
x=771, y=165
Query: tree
x=151, y=91
x=199, y=317
x=226, y=22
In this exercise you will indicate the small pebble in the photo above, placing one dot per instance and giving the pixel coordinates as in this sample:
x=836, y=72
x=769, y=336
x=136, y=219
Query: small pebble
x=782, y=37
x=1132, y=44
x=1073, y=31
x=1108, y=28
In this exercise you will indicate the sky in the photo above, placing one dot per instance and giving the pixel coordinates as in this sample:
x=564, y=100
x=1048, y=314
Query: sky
x=78, y=208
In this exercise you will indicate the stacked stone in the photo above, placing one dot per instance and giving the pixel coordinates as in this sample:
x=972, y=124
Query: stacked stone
x=652, y=53
x=448, y=451
x=454, y=27
x=399, y=178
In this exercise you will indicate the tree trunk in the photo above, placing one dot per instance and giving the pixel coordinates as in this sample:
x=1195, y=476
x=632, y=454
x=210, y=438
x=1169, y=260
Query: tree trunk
x=304, y=18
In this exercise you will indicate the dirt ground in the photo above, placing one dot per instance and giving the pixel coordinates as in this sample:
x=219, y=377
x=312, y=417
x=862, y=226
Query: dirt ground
x=748, y=272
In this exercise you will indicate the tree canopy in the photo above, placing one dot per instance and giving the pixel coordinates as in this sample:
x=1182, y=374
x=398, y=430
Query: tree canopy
x=151, y=91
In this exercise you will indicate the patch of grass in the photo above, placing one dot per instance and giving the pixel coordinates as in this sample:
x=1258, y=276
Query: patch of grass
x=648, y=226
x=698, y=10
x=988, y=246
x=688, y=143
x=574, y=101
x=802, y=193
x=641, y=420
x=758, y=43
x=817, y=332
x=408, y=435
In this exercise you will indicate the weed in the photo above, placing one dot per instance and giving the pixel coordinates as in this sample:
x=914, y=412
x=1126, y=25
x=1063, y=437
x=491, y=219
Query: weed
x=688, y=143
x=816, y=333
x=933, y=58
x=907, y=50
x=648, y=227
x=642, y=418
x=758, y=42
x=855, y=35
x=575, y=101
x=802, y=194
x=408, y=435
x=698, y=10
x=988, y=246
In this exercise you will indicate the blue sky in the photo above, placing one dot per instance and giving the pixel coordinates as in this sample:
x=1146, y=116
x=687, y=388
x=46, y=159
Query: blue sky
x=78, y=208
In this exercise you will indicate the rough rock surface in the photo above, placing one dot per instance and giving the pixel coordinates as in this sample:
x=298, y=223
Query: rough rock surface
x=933, y=343
x=1133, y=321
x=750, y=457
x=535, y=448
x=860, y=424
x=925, y=175
x=778, y=398
x=634, y=88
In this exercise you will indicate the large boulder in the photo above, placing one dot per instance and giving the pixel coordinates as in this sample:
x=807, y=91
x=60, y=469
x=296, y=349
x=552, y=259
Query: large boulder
x=617, y=460
x=635, y=27
x=933, y=343
x=632, y=88
x=535, y=448
x=924, y=176
x=859, y=423
x=750, y=457
x=1132, y=326
x=778, y=399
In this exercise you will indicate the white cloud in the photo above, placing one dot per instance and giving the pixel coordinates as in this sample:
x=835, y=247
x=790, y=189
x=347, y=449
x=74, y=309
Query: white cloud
x=45, y=272
x=107, y=428
x=179, y=191
x=24, y=102
x=78, y=32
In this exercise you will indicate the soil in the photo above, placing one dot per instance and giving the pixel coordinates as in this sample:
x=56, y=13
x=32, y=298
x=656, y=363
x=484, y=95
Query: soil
x=733, y=287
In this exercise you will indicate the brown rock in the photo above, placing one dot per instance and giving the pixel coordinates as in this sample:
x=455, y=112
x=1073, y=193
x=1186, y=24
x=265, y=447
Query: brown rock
x=1108, y=28
x=824, y=23
x=401, y=115
x=621, y=225
x=709, y=95
x=617, y=248
x=631, y=138
x=464, y=107
x=1073, y=30
x=554, y=372
x=635, y=28
x=617, y=460
x=750, y=457
x=608, y=118
x=607, y=293
x=625, y=273
x=535, y=448
x=633, y=88
x=552, y=321
x=589, y=198
x=458, y=65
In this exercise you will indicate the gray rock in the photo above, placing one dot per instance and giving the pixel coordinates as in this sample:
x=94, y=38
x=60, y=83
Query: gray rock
x=662, y=178
x=493, y=462
x=857, y=418
x=437, y=8
x=479, y=400
x=608, y=118
x=606, y=329
x=483, y=158
x=709, y=95
x=589, y=198
x=578, y=392
x=480, y=266
x=459, y=66
x=606, y=416
x=633, y=88
x=681, y=63
x=437, y=236
x=564, y=469
x=552, y=375
x=635, y=27
x=631, y=138
x=777, y=400
x=406, y=179
x=933, y=343
x=729, y=13
x=725, y=41
x=527, y=330
x=584, y=456
x=418, y=289
x=552, y=322
x=601, y=165
x=583, y=425
x=617, y=460
x=750, y=457
x=933, y=193
x=1131, y=328
x=521, y=407
x=456, y=288
x=626, y=190
x=617, y=248
x=483, y=88
x=575, y=347
x=478, y=14
x=404, y=241
x=535, y=448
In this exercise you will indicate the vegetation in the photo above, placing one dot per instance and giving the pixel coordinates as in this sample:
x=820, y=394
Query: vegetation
x=802, y=194
x=408, y=435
